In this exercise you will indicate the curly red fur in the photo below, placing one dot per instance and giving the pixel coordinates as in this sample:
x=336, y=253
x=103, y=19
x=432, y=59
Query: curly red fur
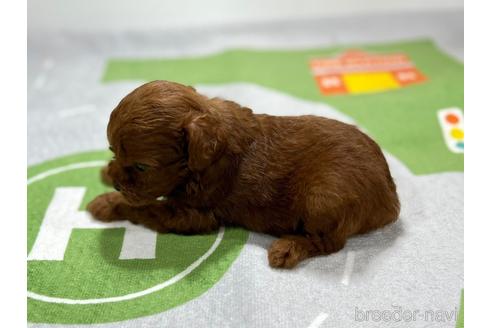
x=312, y=181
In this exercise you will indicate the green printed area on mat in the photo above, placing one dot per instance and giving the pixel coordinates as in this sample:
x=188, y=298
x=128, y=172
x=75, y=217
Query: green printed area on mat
x=404, y=121
x=91, y=268
x=460, y=323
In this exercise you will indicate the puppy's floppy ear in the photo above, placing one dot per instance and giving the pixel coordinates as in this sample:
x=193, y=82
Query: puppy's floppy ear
x=205, y=139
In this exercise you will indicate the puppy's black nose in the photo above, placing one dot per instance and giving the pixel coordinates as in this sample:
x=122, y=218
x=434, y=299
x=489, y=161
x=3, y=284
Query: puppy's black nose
x=117, y=187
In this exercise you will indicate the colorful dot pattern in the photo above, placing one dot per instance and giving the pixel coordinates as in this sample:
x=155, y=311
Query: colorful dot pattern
x=457, y=134
x=451, y=120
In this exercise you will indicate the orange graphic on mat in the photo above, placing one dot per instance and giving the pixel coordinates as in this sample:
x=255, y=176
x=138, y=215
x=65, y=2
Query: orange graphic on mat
x=356, y=71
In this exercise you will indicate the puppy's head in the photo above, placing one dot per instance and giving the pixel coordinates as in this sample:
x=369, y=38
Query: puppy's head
x=160, y=134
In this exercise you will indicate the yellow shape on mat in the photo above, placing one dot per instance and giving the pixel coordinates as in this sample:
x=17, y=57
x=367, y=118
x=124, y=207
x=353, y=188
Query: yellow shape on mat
x=369, y=82
x=457, y=133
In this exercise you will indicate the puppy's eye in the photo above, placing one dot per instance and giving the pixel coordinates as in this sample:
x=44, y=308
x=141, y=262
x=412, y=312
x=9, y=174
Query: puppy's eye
x=141, y=167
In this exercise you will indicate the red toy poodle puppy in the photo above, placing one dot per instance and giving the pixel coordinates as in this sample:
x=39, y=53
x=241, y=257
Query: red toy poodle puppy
x=187, y=164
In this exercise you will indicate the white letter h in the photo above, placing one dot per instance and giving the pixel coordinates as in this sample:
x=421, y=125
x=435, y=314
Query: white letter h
x=63, y=215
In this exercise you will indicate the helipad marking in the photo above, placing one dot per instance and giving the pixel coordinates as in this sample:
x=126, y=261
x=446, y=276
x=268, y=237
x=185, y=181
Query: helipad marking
x=130, y=296
x=65, y=168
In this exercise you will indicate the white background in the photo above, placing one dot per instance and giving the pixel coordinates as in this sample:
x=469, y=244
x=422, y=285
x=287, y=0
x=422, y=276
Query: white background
x=117, y=15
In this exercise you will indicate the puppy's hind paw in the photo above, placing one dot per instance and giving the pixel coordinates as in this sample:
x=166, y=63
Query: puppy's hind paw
x=284, y=253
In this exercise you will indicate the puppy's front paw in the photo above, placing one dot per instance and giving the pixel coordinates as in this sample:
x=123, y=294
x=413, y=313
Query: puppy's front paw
x=284, y=253
x=104, y=207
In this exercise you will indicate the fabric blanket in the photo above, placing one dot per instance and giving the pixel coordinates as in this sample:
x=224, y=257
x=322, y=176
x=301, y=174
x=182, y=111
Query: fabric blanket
x=408, y=96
